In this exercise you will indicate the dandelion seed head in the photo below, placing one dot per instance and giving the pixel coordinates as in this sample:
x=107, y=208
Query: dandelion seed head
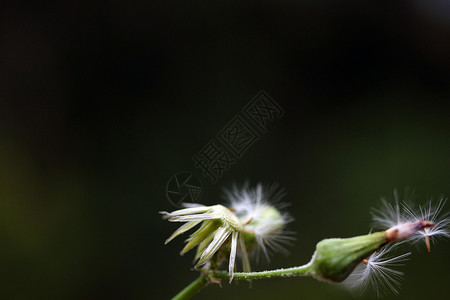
x=407, y=222
x=432, y=212
x=251, y=221
x=258, y=209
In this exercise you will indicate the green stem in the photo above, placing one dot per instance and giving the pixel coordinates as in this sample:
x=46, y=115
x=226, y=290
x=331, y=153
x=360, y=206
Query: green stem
x=304, y=270
x=200, y=282
x=191, y=289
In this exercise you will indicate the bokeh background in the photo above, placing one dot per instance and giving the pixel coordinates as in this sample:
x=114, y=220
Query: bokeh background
x=101, y=102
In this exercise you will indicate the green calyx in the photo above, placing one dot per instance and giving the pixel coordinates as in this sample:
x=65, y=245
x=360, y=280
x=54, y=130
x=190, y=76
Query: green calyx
x=205, y=232
x=336, y=258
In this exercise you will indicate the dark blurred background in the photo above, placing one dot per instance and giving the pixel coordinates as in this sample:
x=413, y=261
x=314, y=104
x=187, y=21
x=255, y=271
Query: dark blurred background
x=102, y=102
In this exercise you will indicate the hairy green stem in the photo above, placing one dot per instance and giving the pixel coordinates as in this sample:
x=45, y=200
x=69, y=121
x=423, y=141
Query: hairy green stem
x=333, y=260
x=200, y=282
x=191, y=289
x=304, y=270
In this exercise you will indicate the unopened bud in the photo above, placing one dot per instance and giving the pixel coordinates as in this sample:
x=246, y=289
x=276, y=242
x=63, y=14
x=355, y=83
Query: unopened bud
x=335, y=259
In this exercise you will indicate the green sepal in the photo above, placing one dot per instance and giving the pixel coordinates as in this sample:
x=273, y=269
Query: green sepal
x=208, y=228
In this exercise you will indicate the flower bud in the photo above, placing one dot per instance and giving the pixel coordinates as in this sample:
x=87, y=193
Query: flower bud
x=336, y=258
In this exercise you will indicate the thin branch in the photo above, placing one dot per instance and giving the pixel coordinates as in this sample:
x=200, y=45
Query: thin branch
x=304, y=270
x=191, y=289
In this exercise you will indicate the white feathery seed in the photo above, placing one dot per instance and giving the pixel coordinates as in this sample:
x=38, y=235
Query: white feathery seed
x=377, y=273
x=397, y=214
x=389, y=214
x=431, y=212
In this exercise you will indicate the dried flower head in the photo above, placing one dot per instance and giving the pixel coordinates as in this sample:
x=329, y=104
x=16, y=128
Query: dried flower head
x=250, y=222
x=218, y=224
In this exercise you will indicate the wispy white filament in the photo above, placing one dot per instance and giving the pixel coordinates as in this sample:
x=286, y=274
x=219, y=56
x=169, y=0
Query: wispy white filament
x=397, y=214
x=389, y=214
x=431, y=212
x=251, y=206
x=377, y=272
